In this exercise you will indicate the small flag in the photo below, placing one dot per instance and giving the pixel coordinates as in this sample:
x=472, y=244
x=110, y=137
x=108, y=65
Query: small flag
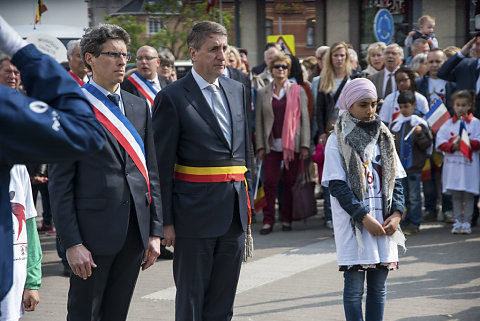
x=465, y=147
x=406, y=148
x=41, y=8
x=210, y=3
x=437, y=116
x=260, y=201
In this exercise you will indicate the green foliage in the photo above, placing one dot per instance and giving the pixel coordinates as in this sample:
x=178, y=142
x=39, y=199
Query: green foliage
x=179, y=17
x=135, y=30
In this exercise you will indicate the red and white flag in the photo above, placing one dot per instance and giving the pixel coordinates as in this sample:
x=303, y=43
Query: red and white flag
x=437, y=116
x=210, y=3
x=465, y=146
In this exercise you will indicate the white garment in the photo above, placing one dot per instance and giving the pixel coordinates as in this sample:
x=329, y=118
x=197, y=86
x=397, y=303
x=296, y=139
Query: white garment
x=459, y=174
x=436, y=88
x=390, y=108
x=23, y=209
x=380, y=249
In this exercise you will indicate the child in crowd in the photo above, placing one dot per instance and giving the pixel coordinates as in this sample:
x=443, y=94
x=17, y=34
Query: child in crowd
x=414, y=144
x=363, y=174
x=319, y=159
x=405, y=80
x=27, y=253
x=461, y=167
x=426, y=24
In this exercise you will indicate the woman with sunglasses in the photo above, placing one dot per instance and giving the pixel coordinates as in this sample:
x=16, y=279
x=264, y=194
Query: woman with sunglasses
x=282, y=134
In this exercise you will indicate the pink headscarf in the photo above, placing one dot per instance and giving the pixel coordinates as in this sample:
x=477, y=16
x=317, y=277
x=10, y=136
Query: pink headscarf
x=356, y=90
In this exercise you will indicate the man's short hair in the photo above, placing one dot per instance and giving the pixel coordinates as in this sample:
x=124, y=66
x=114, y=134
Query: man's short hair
x=166, y=57
x=94, y=38
x=201, y=30
x=71, y=46
x=321, y=49
x=353, y=54
x=3, y=57
x=265, y=52
x=397, y=47
x=420, y=42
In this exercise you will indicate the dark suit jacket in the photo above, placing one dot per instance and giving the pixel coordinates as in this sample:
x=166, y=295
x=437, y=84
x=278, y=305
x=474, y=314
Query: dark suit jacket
x=377, y=80
x=239, y=76
x=90, y=198
x=462, y=71
x=186, y=130
x=422, y=87
x=128, y=86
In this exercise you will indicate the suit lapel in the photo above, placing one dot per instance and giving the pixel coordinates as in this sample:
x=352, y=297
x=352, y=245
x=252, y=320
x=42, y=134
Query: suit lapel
x=196, y=98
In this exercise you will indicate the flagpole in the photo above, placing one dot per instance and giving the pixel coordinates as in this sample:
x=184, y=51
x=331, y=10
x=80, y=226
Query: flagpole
x=221, y=12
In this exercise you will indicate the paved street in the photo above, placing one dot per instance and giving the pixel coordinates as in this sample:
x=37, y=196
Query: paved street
x=294, y=276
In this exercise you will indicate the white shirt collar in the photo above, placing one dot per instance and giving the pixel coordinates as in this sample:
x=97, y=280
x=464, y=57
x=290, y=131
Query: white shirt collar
x=202, y=83
x=103, y=90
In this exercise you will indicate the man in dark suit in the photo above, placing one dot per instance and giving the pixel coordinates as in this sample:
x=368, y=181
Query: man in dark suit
x=464, y=71
x=203, y=154
x=107, y=207
x=146, y=83
x=384, y=80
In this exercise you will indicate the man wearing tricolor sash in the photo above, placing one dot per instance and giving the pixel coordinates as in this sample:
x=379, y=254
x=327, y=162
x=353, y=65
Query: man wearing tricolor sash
x=202, y=144
x=107, y=207
x=77, y=68
x=145, y=82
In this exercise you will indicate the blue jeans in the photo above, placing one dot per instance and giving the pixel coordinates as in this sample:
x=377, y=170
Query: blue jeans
x=413, y=199
x=376, y=294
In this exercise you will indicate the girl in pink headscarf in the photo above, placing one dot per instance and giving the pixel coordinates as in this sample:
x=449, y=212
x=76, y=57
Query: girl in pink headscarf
x=363, y=174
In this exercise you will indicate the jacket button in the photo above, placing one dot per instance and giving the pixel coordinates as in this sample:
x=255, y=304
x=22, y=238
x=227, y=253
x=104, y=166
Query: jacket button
x=126, y=173
x=125, y=203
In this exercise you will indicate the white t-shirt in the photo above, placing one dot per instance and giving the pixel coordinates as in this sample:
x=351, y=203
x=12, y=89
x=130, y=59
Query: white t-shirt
x=436, y=90
x=381, y=249
x=22, y=210
x=458, y=173
x=390, y=108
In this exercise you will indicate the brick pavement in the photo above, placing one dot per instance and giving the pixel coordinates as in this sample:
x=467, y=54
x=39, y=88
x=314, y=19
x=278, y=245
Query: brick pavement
x=439, y=279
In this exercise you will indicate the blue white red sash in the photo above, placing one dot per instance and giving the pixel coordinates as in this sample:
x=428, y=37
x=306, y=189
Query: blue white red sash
x=145, y=87
x=119, y=126
x=78, y=80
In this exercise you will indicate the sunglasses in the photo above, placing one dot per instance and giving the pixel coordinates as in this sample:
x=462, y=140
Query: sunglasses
x=280, y=66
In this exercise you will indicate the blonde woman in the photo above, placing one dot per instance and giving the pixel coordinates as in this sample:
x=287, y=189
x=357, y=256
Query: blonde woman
x=375, y=58
x=335, y=74
x=233, y=58
x=282, y=134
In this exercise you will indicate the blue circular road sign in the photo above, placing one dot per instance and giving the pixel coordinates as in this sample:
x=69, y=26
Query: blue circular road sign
x=383, y=26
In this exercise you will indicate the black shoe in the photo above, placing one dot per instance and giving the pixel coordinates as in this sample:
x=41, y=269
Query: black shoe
x=67, y=271
x=286, y=228
x=165, y=254
x=266, y=230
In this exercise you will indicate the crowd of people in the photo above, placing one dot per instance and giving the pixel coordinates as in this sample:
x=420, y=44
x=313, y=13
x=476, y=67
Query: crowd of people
x=178, y=164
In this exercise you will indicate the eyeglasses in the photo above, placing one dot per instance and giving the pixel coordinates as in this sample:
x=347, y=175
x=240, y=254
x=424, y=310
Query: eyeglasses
x=146, y=58
x=165, y=65
x=116, y=55
x=280, y=66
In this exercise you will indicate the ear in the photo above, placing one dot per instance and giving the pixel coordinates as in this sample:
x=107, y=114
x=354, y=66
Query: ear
x=89, y=58
x=192, y=53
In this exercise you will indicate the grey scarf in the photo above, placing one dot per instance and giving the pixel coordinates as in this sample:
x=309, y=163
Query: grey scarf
x=358, y=139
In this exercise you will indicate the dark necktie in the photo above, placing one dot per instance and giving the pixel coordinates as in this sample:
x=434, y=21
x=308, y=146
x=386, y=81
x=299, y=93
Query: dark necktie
x=388, y=88
x=115, y=99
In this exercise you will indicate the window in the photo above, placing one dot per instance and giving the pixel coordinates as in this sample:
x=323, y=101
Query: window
x=268, y=27
x=310, y=41
x=154, y=25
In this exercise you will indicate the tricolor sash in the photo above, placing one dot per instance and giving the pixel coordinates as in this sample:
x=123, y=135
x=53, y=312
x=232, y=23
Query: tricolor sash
x=145, y=87
x=214, y=175
x=119, y=126
x=78, y=80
